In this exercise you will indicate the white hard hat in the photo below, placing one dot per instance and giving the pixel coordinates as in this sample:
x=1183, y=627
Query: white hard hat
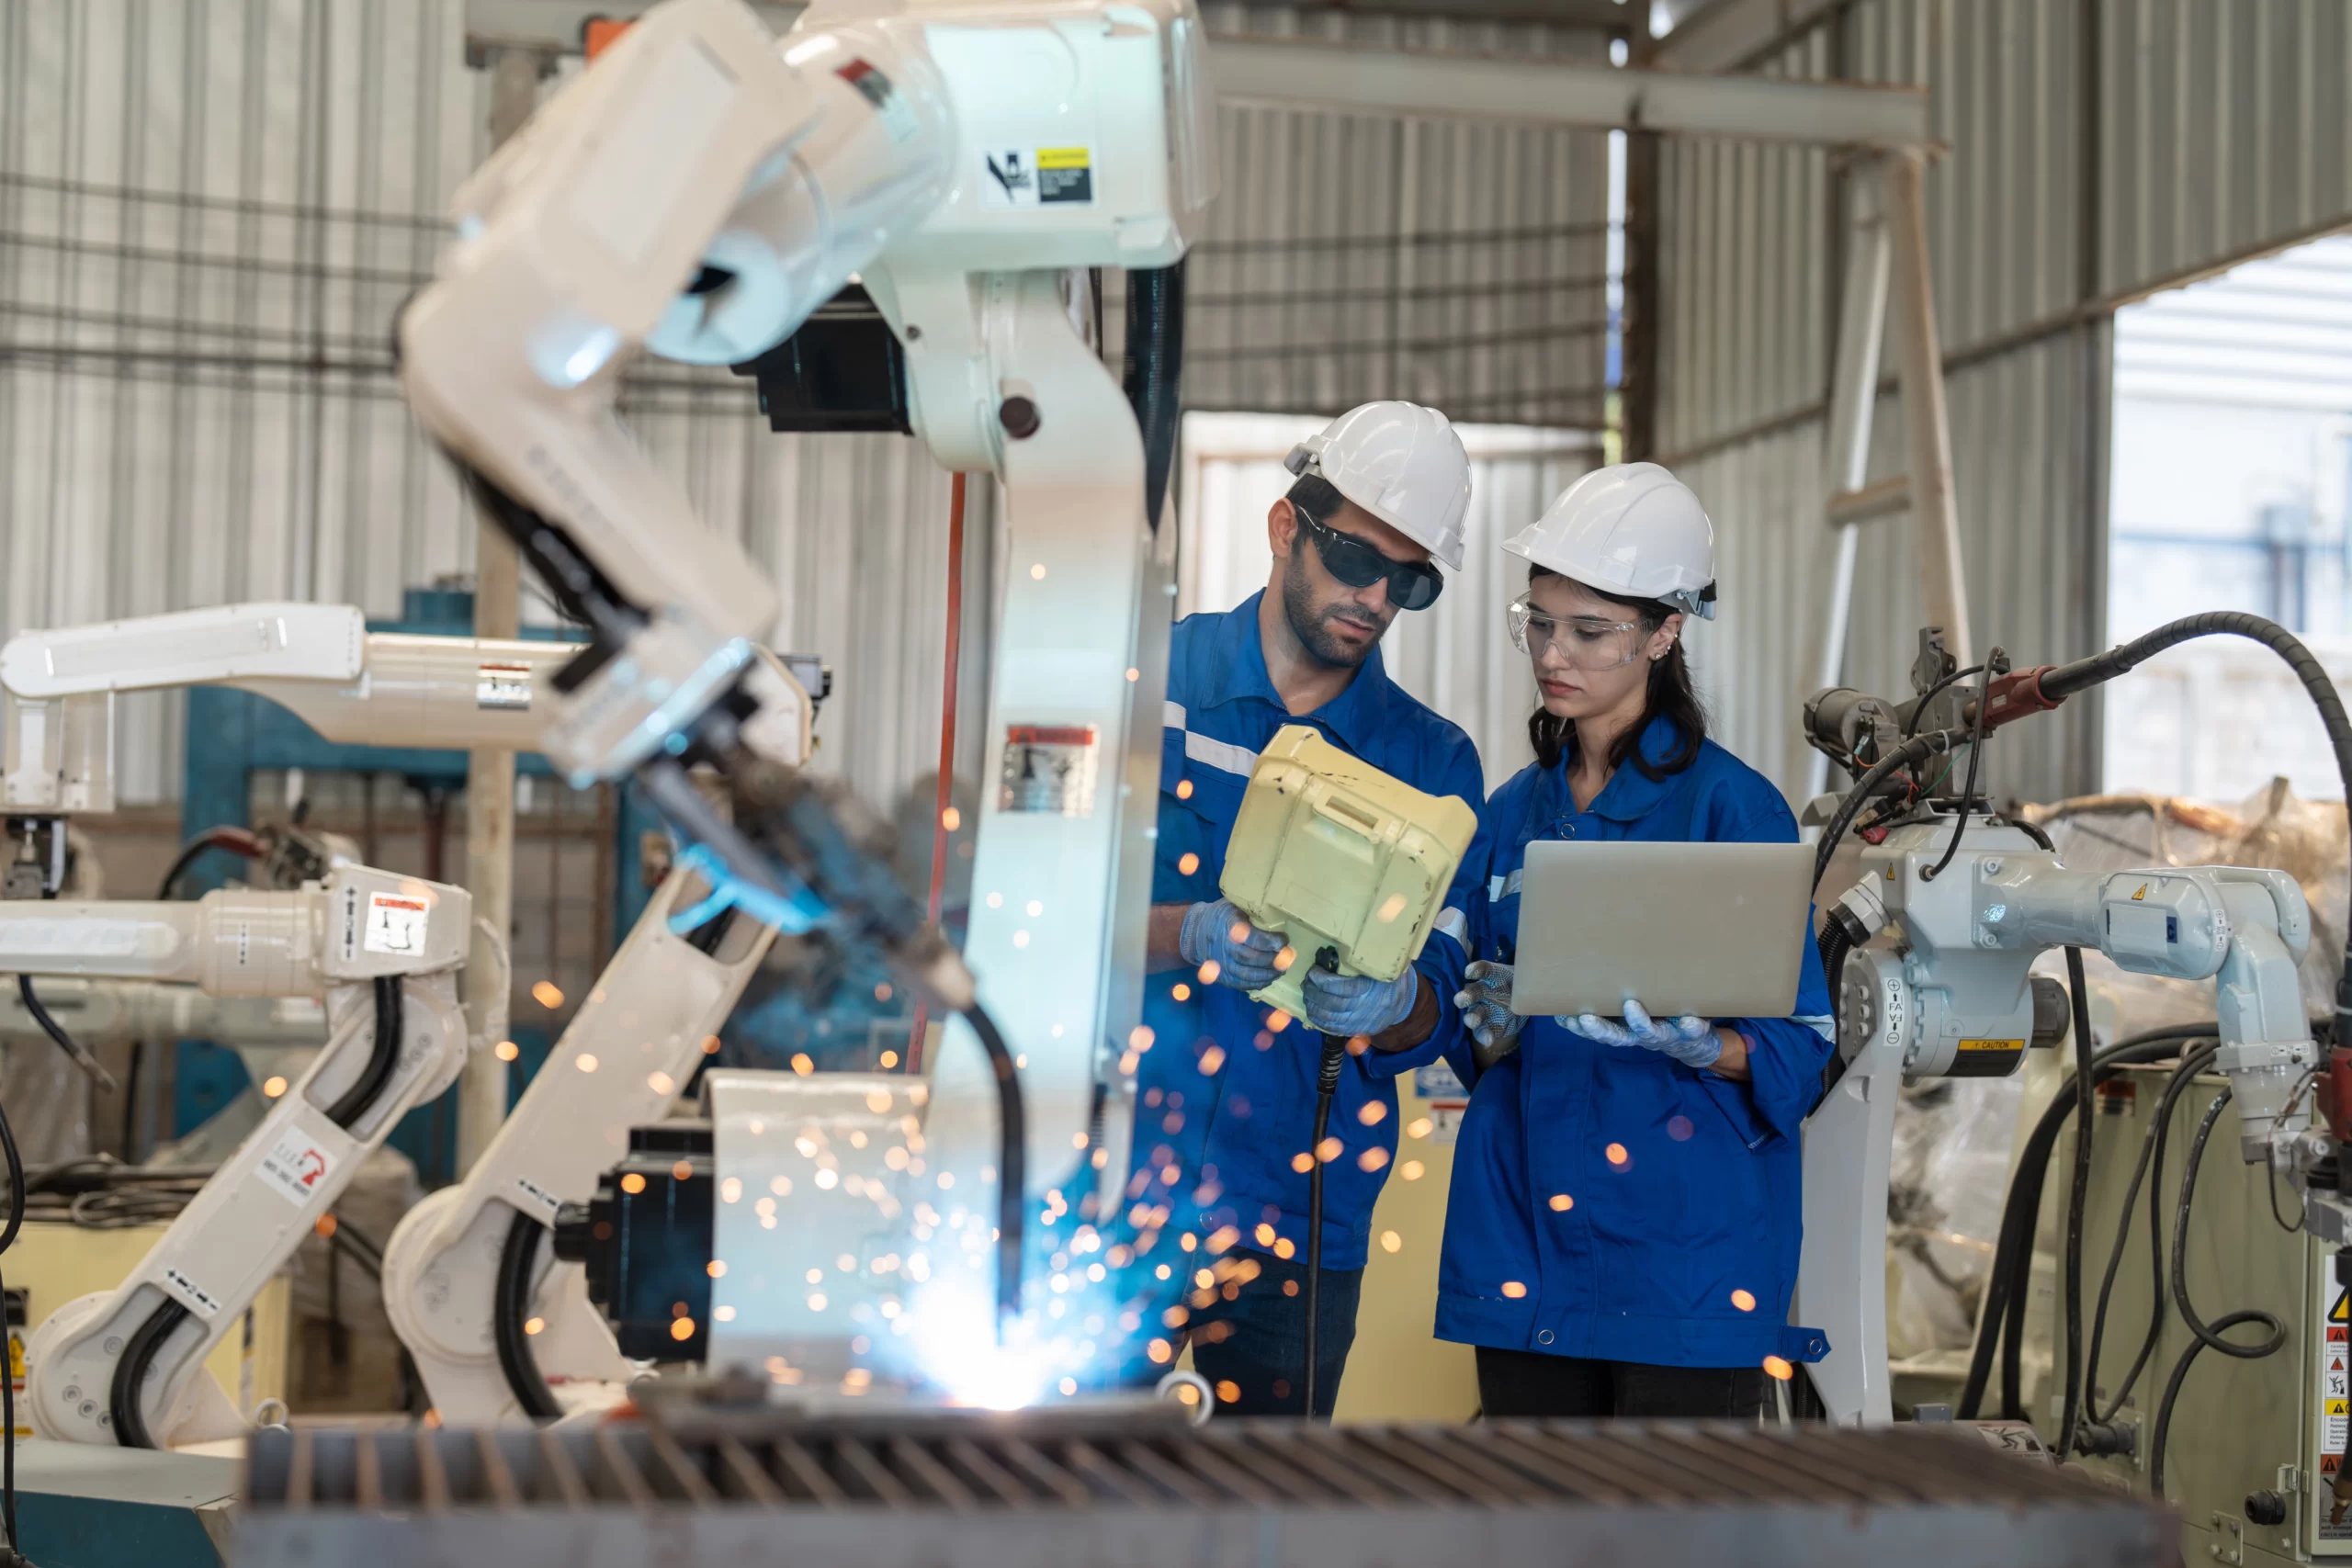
x=1631, y=529
x=1400, y=462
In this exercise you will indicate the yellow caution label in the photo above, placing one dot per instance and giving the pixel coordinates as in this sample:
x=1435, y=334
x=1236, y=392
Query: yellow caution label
x=1063, y=157
x=2339, y=1407
x=17, y=1356
x=2142, y=893
x=1992, y=1044
x=2338, y=1314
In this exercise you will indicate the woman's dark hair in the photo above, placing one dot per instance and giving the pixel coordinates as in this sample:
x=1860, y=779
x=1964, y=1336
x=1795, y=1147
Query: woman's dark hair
x=1671, y=695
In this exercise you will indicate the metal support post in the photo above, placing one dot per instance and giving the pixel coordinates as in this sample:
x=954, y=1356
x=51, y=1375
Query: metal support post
x=490, y=774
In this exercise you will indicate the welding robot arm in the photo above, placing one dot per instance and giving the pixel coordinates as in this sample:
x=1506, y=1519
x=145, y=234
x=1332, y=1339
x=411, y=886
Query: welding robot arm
x=123, y=1366
x=1953, y=997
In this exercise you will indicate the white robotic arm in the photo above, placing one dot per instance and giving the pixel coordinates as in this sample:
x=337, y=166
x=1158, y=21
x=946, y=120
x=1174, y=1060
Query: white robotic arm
x=1949, y=995
x=123, y=1366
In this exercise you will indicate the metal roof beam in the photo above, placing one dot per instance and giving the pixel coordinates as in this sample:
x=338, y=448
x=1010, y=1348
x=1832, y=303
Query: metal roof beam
x=1292, y=73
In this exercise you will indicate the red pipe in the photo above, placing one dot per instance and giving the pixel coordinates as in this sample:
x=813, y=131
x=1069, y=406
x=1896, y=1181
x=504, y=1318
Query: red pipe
x=946, y=737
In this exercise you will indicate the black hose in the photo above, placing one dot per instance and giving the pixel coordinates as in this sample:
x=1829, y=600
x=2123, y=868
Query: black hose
x=139, y=1354
x=1919, y=708
x=2208, y=1335
x=122, y=1395
x=2077, y=1200
x=2151, y=1162
x=1155, y=364
x=2013, y=1252
x=1916, y=750
x=1012, y=1162
x=1975, y=761
x=227, y=841
x=381, y=1060
x=2065, y=680
x=8, y=1383
x=76, y=1053
x=1327, y=1085
x=510, y=1310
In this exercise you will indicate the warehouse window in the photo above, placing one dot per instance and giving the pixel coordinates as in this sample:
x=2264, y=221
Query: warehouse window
x=2231, y=454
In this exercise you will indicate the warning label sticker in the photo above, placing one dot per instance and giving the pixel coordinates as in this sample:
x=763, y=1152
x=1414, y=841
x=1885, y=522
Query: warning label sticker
x=1048, y=768
x=396, y=923
x=293, y=1168
x=2333, y=1406
x=502, y=686
x=1036, y=177
x=537, y=1194
x=203, y=1300
x=1447, y=1096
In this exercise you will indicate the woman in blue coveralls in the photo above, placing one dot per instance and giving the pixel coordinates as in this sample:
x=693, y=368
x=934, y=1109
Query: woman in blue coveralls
x=1622, y=1234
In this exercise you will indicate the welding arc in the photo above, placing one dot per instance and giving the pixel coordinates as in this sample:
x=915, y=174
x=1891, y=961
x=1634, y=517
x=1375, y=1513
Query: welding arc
x=1012, y=1162
x=139, y=1354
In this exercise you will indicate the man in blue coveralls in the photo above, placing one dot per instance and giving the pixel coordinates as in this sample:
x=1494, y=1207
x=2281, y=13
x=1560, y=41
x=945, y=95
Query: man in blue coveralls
x=1227, y=1088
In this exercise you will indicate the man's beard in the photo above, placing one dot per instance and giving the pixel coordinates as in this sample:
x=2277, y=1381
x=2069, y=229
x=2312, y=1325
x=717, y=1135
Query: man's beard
x=1312, y=631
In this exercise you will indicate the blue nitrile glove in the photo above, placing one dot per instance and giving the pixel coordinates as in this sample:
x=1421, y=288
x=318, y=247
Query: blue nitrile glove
x=1220, y=934
x=1485, y=1001
x=1358, y=1004
x=1690, y=1041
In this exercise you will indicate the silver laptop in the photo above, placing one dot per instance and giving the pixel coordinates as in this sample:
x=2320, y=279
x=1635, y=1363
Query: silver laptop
x=1715, y=930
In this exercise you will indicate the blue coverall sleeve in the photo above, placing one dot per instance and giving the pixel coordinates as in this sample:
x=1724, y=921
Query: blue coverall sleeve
x=1451, y=946
x=1785, y=1056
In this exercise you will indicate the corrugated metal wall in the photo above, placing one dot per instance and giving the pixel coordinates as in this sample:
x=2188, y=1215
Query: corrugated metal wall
x=1354, y=256
x=2206, y=131
x=209, y=209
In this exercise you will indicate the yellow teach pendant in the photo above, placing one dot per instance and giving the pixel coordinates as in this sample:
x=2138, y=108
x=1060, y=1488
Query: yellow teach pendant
x=1337, y=856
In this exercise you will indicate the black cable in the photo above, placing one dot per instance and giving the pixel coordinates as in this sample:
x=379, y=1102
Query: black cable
x=510, y=1311
x=139, y=1354
x=1918, y=710
x=227, y=841
x=1012, y=1162
x=2065, y=680
x=2077, y=1200
x=2208, y=1335
x=8, y=1382
x=1327, y=1085
x=2151, y=1162
x=1968, y=789
x=381, y=1060
x=2013, y=1252
x=1918, y=749
x=1155, y=363
x=74, y=1052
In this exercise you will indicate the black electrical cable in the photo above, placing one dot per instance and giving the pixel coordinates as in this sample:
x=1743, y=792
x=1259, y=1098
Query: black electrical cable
x=1918, y=710
x=1155, y=363
x=1327, y=1085
x=139, y=1354
x=2151, y=1163
x=229, y=841
x=510, y=1311
x=2208, y=1335
x=1916, y=750
x=1968, y=789
x=2069, y=1423
x=2013, y=1251
x=1012, y=1161
x=381, y=1059
x=2064, y=680
x=8, y=1383
x=73, y=1049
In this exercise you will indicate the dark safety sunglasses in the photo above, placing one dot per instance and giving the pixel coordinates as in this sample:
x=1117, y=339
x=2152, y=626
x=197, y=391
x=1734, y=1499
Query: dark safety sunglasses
x=1412, y=585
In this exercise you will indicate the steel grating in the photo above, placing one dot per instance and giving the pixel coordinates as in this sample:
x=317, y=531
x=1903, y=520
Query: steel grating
x=1129, y=1487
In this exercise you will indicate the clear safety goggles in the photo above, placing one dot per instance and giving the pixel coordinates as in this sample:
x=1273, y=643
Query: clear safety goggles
x=1583, y=642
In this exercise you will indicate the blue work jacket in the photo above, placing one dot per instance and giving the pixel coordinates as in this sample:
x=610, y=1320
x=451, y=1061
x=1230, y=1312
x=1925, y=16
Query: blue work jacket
x=1227, y=1100
x=1609, y=1201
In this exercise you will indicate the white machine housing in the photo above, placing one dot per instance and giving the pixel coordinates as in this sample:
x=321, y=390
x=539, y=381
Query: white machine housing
x=763, y=172
x=1948, y=988
x=333, y=939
